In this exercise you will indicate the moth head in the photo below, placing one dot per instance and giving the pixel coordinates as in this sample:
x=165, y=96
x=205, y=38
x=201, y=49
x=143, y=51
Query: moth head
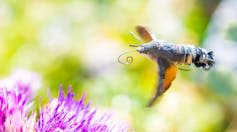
x=142, y=50
x=147, y=48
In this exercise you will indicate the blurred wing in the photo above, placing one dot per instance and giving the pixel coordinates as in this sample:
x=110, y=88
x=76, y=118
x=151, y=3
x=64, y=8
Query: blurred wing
x=167, y=73
x=145, y=34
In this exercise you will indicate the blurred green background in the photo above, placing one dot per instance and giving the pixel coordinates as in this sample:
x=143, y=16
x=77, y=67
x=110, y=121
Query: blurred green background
x=78, y=41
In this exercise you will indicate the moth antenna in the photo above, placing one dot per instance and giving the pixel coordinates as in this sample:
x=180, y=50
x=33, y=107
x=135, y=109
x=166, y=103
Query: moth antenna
x=136, y=37
x=128, y=60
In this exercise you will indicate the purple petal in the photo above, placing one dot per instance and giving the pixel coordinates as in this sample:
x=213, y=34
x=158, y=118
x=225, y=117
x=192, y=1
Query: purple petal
x=67, y=114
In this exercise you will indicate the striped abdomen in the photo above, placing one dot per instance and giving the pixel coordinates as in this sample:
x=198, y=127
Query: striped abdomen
x=178, y=54
x=184, y=54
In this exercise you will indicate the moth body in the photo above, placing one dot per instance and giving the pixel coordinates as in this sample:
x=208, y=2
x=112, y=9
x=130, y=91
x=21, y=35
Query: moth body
x=178, y=54
x=167, y=56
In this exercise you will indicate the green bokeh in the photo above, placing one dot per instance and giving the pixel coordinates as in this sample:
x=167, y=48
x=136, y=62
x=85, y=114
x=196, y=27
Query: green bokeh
x=66, y=42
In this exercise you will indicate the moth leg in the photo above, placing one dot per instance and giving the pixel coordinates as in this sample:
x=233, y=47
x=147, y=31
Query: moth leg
x=185, y=68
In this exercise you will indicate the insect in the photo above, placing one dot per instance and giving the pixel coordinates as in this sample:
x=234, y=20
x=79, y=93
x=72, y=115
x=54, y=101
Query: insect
x=168, y=56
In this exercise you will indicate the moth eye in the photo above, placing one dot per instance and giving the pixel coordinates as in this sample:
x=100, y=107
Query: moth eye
x=142, y=50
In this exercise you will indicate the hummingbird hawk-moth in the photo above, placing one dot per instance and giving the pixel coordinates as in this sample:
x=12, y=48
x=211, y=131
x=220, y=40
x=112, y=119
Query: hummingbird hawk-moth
x=168, y=56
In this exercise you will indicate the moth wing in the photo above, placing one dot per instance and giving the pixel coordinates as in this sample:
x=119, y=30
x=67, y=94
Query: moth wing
x=145, y=34
x=166, y=74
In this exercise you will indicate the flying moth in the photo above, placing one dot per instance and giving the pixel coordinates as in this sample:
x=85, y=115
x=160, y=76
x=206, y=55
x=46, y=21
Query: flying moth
x=167, y=56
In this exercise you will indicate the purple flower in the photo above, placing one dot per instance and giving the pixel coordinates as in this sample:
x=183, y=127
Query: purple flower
x=14, y=110
x=24, y=81
x=15, y=101
x=60, y=114
x=67, y=114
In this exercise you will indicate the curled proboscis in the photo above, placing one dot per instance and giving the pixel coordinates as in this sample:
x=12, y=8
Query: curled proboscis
x=128, y=59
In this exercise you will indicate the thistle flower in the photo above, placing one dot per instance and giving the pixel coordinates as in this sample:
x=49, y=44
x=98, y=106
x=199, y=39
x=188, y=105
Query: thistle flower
x=61, y=114
x=67, y=114
x=23, y=81
x=14, y=110
x=15, y=101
